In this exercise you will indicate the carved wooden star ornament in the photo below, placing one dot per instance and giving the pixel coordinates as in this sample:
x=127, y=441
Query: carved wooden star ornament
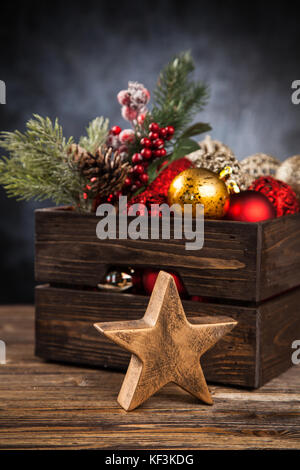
x=165, y=346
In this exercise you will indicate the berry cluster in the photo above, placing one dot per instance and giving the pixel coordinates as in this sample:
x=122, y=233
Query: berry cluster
x=119, y=140
x=153, y=146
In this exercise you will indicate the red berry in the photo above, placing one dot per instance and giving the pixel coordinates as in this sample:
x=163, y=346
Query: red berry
x=170, y=130
x=138, y=169
x=127, y=181
x=153, y=135
x=93, y=179
x=144, y=178
x=146, y=142
x=137, y=158
x=147, y=153
x=115, y=130
x=153, y=127
x=85, y=196
x=157, y=153
x=163, y=152
x=163, y=132
x=133, y=188
x=158, y=143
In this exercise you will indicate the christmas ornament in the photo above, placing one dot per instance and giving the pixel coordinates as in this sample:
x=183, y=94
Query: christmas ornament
x=250, y=206
x=105, y=171
x=214, y=155
x=289, y=172
x=121, y=280
x=149, y=278
x=259, y=164
x=117, y=281
x=157, y=191
x=165, y=346
x=200, y=186
x=280, y=194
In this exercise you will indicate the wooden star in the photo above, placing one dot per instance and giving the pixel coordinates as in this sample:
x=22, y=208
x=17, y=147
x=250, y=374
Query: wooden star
x=165, y=346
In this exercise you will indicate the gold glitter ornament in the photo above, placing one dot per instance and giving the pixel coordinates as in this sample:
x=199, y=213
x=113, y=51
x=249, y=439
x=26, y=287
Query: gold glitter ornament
x=289, y=172
x=215, y=156
x=200, y=186
x=259, y=164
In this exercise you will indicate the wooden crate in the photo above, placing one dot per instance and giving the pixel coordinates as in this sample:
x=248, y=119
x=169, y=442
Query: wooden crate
x=252, y=270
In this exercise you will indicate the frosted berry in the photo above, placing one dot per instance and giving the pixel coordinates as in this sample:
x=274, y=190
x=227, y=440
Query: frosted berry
x=153, y=135
x=163, y=132
x=137, y=158
x=138, y=169
x=158, y=143
x=154, y=127
x=127, y=135
x=146, y=142
x=146, y=153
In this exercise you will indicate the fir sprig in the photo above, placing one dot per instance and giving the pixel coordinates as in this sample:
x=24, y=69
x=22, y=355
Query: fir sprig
x=97, y=132
x=177, y=99
x=40, y=166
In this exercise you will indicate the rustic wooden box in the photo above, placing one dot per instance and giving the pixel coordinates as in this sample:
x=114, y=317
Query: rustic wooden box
x=251, y=270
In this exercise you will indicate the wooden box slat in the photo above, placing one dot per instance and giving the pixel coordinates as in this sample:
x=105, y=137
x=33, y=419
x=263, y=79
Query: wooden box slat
x=240, y=261
x=256, y=350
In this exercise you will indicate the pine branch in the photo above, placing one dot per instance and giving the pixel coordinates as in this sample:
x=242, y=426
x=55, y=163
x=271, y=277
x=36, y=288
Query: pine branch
x=177, y=98
x=39, y=166
x=97, y=132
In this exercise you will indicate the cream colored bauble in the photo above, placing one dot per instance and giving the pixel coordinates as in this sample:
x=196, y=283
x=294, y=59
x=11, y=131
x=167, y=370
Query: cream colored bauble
x=215, y=156
x=289, y=172
x=259, y=164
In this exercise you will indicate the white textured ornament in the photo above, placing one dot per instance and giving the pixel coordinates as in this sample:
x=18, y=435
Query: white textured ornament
x=213, y=155
x=289, y=172
x=259, y=164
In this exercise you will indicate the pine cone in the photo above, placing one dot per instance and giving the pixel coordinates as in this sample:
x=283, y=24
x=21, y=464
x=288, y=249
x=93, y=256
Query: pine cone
x=105, y=170
x=214, y=155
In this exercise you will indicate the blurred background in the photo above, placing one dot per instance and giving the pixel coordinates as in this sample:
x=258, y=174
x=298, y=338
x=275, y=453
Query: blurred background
x=69, y=60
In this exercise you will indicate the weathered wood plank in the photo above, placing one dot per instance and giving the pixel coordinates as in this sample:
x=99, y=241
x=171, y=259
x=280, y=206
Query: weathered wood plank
x=44, y=405
x=64, y=331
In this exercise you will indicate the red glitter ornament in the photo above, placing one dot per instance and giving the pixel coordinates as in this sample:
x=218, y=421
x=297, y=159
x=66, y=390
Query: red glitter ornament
x=250, y=206
x=280, y=194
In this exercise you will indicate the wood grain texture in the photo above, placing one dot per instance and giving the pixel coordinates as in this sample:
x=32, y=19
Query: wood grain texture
x=165, y=346
x=246, y=261
x=68, y=251
x=255, y=351
x=44, y=405
x=280, y=255
x=64, y=332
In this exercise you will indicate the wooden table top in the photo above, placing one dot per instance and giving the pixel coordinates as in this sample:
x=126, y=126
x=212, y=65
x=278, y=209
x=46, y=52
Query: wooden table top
x=45, y=405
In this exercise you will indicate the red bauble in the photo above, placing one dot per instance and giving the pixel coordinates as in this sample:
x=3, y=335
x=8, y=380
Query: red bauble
x=250, y=206
x=279, y=193
x=150, y=276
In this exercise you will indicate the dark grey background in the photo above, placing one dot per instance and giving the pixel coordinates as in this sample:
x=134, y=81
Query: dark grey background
x=70, y=59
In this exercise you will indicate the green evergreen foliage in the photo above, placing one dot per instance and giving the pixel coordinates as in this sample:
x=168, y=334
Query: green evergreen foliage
x=39, y=165
x=177, y=98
